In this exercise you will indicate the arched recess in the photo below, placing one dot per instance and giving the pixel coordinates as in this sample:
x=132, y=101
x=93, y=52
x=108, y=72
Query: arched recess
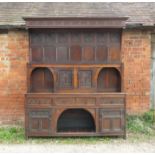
x=41, y=80
x=76, y=120
x=109, y=80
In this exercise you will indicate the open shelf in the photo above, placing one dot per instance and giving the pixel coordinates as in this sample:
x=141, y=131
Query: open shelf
x=109, y=80
x=41, y=80
x=75, y=120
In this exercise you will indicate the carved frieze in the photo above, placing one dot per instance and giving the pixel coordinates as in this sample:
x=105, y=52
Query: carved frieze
x=39, y=101
x=64, y=101
x=111, y=100
x=85, y=101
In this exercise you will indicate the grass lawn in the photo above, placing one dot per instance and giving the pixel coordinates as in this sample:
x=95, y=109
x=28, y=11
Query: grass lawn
x=139, y=128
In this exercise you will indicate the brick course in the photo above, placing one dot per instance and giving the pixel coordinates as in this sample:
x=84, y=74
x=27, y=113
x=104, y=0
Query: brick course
x=14, y=57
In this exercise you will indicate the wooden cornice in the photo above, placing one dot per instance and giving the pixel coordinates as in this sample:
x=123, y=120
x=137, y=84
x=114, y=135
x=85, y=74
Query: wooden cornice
x=70, y=22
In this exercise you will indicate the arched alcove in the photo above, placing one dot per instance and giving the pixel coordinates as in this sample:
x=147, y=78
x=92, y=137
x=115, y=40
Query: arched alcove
x=109, y=80
x=41, y=80
x=75, y=120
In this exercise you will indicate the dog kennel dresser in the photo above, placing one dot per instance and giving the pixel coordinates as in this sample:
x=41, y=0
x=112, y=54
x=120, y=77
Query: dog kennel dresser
x=75, y=77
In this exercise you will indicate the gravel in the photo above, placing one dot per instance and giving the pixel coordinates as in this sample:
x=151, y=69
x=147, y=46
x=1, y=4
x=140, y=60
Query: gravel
x=74, y=148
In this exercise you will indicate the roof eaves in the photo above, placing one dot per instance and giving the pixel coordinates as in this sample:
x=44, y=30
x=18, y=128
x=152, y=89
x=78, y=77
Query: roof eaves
x=140, y=25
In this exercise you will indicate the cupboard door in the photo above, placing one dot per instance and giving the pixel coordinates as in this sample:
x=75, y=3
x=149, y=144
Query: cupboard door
x=65, y=79
x=39, y=122
x=85, y=78
x=111, y=121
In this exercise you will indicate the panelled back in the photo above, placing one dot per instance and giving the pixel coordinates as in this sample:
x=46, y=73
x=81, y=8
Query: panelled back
x=75, y=46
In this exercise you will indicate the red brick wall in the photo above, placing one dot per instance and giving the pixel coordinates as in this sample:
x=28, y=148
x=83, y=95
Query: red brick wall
x=13, y=59
x=136, y=55
x=14, y=56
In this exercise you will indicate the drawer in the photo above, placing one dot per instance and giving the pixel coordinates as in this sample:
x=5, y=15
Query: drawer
x=85, y=101
x=38, y=100
x=111, y=100
x=64, y=101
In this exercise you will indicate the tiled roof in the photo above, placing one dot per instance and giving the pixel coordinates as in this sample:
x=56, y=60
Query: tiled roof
x=138, y=13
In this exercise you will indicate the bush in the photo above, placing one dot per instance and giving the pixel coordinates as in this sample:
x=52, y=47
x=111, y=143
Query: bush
x=11, y=134
x=141, y=123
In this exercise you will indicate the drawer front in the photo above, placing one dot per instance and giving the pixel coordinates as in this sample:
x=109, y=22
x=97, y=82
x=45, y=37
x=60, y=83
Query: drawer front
x=85, y=101
x=75, y=101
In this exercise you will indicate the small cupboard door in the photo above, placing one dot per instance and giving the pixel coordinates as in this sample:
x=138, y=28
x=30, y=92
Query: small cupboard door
x=39, y=122
x=112, y=121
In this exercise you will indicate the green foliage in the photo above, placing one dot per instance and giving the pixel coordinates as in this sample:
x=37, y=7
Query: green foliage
x=141, y=123
x=11, y=134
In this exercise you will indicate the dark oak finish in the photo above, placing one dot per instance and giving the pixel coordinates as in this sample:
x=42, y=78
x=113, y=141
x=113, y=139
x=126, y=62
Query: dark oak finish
x=109, y=80
x=41, y=80
x=75, y=83
x=97, y=113
x=48, y=46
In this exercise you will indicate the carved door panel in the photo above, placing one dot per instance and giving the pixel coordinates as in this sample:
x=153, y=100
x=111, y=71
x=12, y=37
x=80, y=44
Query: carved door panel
x=85, y=78
x=111, y=121
x=65, y=79
x=39, y=122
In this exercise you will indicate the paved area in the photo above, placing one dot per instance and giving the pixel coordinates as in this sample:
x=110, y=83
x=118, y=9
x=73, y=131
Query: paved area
x=110, y=147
